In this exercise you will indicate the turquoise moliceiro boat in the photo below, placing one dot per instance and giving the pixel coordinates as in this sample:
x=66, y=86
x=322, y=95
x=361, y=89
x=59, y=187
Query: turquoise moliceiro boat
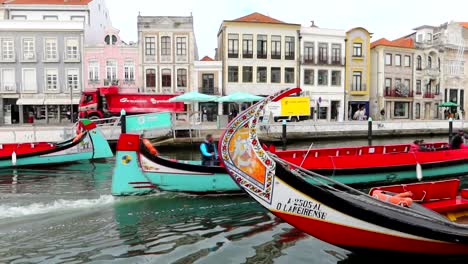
x=89, y=144
x=138, y=171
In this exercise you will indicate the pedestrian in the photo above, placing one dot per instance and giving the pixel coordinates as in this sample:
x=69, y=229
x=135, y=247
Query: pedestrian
x=208, y=152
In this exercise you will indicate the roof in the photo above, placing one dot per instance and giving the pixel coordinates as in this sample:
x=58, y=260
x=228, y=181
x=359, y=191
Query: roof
x=403, y=42
x=46, y=2
x=258, y=18
x=464, y=24
x=423, y=27
x=206, y=58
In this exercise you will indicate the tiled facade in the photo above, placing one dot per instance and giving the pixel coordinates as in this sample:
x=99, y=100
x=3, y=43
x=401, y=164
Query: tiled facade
x=112, y=62
x=259, y=54
x=167, y=51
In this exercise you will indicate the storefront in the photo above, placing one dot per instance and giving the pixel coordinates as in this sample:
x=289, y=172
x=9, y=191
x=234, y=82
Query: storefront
x=354, y=106
x=45, y=111
x=10, y=111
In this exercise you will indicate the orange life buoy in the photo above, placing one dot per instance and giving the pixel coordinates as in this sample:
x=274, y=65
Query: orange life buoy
x=150, y=147
x=402, y=199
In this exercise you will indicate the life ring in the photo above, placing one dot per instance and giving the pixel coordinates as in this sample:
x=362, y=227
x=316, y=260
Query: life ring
x=403, y=199
x=150, y=147
x=78, y=137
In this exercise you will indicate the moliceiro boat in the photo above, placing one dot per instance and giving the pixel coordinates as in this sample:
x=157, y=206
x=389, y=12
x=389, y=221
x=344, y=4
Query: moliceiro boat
x=88, y=144
x=139, y=170
x=332, y=211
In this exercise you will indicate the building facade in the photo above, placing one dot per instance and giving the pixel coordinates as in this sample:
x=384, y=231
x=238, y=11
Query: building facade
x=112, y=62
x=92, y=13
x=322, y=71
x=357, y=80
x=208, y=80
x=40, y=70
x=167, y=49
x=392, y=79
x=259, y=54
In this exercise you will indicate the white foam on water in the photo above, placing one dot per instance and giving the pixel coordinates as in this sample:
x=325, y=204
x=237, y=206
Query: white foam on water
x=7, y=211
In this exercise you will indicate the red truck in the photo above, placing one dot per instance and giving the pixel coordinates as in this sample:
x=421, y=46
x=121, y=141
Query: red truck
x=107, y=101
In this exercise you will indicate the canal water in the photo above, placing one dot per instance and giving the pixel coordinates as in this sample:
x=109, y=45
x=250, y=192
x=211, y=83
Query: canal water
x=66, y=214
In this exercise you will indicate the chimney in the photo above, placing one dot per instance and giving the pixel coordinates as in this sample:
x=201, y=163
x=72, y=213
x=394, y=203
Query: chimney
x=313, y=24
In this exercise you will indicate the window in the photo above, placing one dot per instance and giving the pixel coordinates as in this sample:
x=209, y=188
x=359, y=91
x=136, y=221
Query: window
x=262, y=47
x=322, y=77
x=8, y=80
x=208, y=80
x=401, y=109
x=72, y=79
x=308, y=52
x=29, y=80
x=261, y=74
x=50, y=18
x=8, y=53
x=129, y=71
x=181, y=78
x=110, y=39
x=233, y=46
x=247, y=46
x=289, y=75
x=418, y=110
x=397, y=60
x=429, y=62
x=438, y=64
x=29, y=52
x=407, y=85
x=275, y=75
x=247, y=74
x=419, y=63
x=407, y=61
x=309, y=77
x=150, y=46
x=397, y=83
x=166, y=78
x=336, y=78
x=418, y=86
x=276, y=47
x=388, y=59
x=233, y=74
x=357, y=81
x=388, y=86
x=289, y=48
x=437, y=91
x=72, y=49
x=51, y=51
x=93, y=71
x=323, y=53
x=111, y=70
x=357, y=49
x=51, y=79
x=166, y=46
x=336, y=54
x=150, y=78
x=181, y=46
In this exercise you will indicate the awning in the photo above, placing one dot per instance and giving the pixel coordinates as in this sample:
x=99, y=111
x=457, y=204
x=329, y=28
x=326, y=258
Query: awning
x=57, y=101
x=30, y=101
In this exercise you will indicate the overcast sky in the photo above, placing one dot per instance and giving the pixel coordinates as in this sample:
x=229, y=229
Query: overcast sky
x=389, y=18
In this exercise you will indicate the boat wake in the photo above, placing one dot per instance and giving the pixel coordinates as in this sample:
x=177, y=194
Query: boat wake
x=11, y=211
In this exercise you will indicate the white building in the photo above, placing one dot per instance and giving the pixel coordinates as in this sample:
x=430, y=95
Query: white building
x=167, y=50
x=259, y=54
x=93, y=13
x=323, y=71
x=208, y=80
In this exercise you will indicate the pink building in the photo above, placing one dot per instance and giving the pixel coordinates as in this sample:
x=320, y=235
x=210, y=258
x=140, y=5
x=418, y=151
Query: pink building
x=112, y=62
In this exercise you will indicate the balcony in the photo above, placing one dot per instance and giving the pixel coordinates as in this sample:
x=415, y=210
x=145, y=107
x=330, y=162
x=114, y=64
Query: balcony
x=128, y=82
x=332, y=61
x=432, y=72
x=429, y=95
x=94, y=82
x=8, y=88
x=111, y=82
x=358, y=90
x=210, y=90
x=308, y=60
x=71, y=57
x=396, y=92
x=4, y=58
x=29, y=57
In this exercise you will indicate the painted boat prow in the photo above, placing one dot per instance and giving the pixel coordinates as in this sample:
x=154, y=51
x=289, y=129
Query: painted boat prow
x=327, y=209
x=101, y=147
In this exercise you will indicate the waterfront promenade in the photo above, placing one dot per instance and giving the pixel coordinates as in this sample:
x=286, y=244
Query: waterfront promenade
x=185, y=133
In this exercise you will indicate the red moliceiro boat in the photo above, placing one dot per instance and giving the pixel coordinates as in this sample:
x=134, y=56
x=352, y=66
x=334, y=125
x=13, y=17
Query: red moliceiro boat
x=337, y=213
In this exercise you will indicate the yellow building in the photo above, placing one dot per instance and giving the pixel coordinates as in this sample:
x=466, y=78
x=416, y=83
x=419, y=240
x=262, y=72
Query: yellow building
x=357, y=76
